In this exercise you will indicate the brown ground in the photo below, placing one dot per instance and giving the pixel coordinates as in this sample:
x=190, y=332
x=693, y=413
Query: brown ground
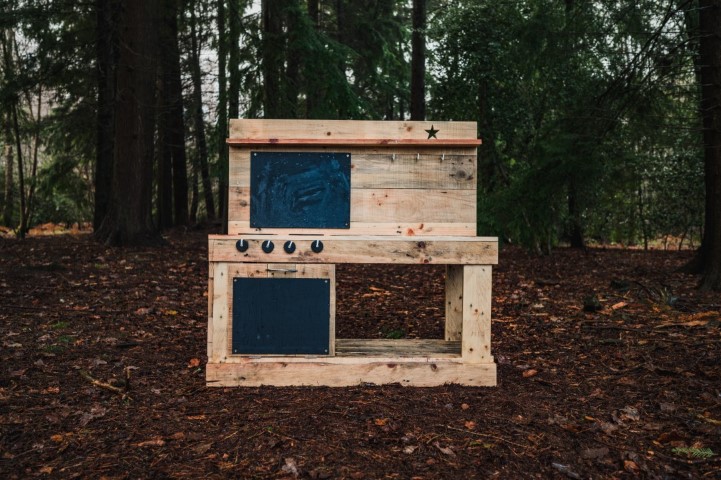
x=631, y=390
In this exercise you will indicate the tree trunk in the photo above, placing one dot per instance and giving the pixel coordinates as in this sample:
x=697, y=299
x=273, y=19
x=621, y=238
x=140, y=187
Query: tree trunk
x=175, y=139
x=272, y=58
x=128, y=220
x=418, y=61
x=105, y=68
x=8, y=197
x=22, y=230
x=234, y=58
x=29, y=204
x=222, y=118
x=313, y=95
x=710, y=107
x=164, y=159
x=199, y=124
x=575, y=231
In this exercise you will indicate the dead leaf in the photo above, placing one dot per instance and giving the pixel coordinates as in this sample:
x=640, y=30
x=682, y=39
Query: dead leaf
x=51, y=390
x=196, y=417
x=618, y=305
x=381, y=421
x=290, y=467
x=594, y=453
x=202, y=448
x=470, y=425
x=710, y=420
x=530, y=373
x=155, y=442
x=445, y=450
x=630, y=466
x=47, y=470
x=630, y=413
x=144, y=311
x=410, y=449
x=194, y=362
x=18, y=373
x=465, y=406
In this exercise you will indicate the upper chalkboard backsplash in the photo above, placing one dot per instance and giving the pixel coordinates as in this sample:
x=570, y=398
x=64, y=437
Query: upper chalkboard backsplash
x=299, y=190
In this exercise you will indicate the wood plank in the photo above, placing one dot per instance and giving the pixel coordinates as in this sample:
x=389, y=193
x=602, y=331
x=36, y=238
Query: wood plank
x=364, y=228
x=422, y=373
x=476, y=341
x=407, y=170
x=218, y=338
x=402, y=347
x=264, y=129
x=413, y=205
x=211, y=278
x=338, y=142
x=360, y=249
x=457, y=172
x=454, y=302
x=385, y=205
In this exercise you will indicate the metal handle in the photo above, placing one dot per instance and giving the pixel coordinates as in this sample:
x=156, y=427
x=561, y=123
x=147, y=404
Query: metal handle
x=283, y=270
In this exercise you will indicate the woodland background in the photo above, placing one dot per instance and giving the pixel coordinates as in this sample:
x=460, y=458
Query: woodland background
x=601, y=119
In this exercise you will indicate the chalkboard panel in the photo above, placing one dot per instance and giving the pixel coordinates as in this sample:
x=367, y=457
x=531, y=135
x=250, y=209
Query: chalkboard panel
x=299, y=190
x=281, y=316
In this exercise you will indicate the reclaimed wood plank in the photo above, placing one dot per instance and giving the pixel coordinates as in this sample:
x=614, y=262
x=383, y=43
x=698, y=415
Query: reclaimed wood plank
x=360, y=249
x=362, y=370
x=476, y=338
x=406, y=170
x=454, y=302
x=403, y=229
x=273, y=130
x=218, y=339
x=387, y=205
x=402, y=347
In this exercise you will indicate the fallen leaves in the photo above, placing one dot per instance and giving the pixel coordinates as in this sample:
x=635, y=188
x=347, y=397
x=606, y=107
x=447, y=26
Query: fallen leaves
x=153, y=442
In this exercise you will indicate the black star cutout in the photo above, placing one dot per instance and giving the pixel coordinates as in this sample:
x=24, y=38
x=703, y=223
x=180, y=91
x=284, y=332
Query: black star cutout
x=432, y=133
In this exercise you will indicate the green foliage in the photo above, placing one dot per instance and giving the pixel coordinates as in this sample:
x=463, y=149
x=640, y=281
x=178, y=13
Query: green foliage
x=584, y=113
x=694, y=452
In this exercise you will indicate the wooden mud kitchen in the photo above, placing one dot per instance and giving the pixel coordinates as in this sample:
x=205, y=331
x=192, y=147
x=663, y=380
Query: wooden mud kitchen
x=305, y=195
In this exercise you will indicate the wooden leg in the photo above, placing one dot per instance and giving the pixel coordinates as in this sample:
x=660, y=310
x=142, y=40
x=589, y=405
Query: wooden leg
x=454, y=302
x=218, y=338
x=476, y=340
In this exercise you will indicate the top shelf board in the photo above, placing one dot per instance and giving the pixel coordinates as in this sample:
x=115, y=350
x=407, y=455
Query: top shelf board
x=259, y=132
x=339, y=142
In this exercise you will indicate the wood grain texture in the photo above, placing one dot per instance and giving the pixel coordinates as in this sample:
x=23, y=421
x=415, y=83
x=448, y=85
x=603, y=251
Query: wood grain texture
x=343, y=130
x=402, y=347
x=476, y=341
x=363, y=370
x=405, y=170
x=360, y=249
x=454, y=302
x=218, y=333
x=387, y=205
x=402, y=229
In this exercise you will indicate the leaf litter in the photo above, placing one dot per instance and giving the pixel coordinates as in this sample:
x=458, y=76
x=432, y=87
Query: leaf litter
x=628, y=386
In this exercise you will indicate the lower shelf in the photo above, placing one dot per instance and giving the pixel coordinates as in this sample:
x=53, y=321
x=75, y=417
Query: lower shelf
x=418, y=363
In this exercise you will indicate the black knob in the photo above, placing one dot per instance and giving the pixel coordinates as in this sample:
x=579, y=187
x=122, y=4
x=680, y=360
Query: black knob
x=289, y=246
x=268, y=246
x=241, y=245
x=316, y=246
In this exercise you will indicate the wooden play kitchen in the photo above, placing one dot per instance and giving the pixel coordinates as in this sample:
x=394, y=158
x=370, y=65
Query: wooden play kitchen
x=305, y=195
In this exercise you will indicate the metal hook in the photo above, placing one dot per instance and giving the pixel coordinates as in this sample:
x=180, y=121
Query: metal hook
x=418, y=156
x=443, y=157
x=393, y=158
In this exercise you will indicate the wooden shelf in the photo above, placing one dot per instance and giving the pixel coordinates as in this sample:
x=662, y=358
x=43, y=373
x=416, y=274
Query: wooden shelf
x=354, y=142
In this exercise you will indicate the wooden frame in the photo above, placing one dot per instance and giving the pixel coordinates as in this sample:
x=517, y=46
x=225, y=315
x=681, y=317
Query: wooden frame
x=413, y=201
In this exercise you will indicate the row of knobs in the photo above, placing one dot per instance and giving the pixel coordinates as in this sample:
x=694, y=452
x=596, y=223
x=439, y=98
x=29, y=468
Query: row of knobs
x=268, y=246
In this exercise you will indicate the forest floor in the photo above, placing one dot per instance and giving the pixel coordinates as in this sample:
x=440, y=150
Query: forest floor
x=102, y=373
